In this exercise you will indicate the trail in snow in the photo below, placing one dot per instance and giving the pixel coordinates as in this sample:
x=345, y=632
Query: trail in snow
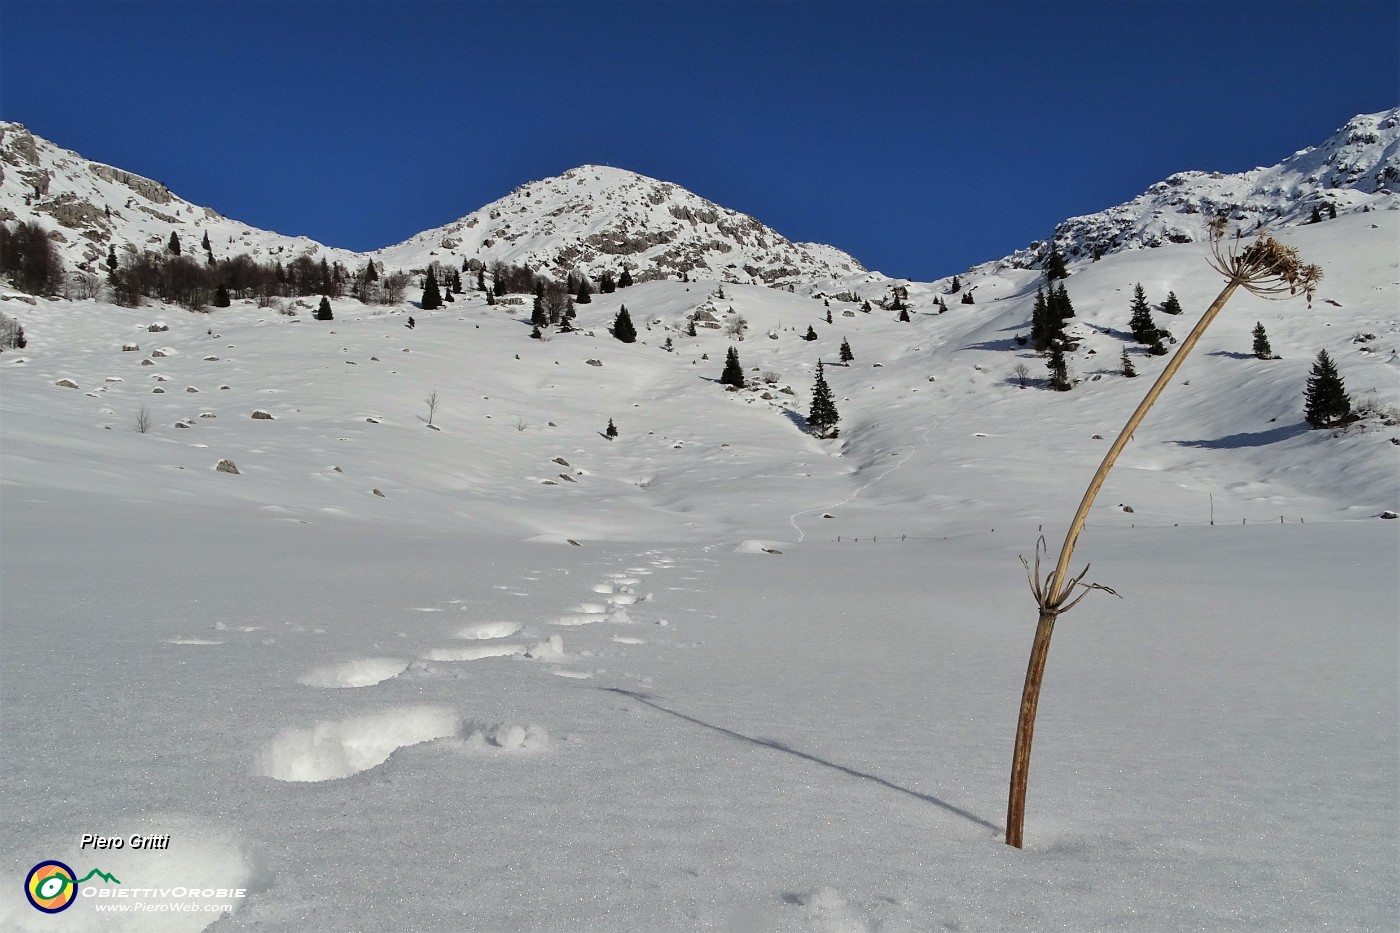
x=792, y=519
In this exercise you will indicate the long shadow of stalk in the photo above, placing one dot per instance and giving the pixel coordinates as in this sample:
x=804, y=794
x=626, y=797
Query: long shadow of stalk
x=779, y=746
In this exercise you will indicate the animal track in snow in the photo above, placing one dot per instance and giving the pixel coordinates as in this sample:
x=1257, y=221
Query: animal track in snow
x=334, y=749
x=361, y=672
x=505, y=737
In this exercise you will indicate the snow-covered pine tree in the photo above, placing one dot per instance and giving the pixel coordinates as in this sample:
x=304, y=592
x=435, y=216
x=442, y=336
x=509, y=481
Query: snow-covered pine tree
x=1172, y=305
x=612, y=429
x=811, y=334
x=625, y=280
x=1325, y=401
x=1055, y=266
x=323, y=313
x=1126, y=365
x=846, y=354
x=823, y=416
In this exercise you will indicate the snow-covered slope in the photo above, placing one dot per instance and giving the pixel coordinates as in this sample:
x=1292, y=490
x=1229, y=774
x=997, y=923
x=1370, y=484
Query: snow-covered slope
x=1356, y=169
x=940, y=388
x=88, y=208
x=599, y=219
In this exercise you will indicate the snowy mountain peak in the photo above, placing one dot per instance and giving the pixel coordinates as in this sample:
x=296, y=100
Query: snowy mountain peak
x=1355, y=169
x=597, y=218
x=90, y=208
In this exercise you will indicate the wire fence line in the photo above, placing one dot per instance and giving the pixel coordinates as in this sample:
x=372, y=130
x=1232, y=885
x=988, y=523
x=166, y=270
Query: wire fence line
x=1243, y=522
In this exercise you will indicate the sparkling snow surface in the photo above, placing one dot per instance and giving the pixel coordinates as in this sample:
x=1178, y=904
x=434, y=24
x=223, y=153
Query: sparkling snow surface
x=429, y=710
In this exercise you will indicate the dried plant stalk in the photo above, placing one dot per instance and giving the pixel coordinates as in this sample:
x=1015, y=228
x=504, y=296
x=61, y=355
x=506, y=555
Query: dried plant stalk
x=1266, y=268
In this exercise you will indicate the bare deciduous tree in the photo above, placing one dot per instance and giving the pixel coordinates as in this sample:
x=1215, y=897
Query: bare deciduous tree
x=432, y=403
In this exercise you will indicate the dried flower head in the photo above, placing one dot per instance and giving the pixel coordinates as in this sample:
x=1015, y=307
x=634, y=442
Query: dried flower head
x=1264, y=267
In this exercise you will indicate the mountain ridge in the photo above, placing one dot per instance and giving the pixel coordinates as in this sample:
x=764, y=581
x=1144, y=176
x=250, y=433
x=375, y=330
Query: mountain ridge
x=593, y=219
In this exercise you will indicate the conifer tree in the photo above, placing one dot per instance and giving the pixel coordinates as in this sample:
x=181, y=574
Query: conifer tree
x=1126, y=365
x=538, y=316
x=690, y=328
x=112, y=258
x=733, y=374
x=967, y=298
x=1060, y=304
x=828, y=315
x=1042, y=327
x=323, y=313
x=221, y=297
x=481, y=280
x=1059, y=369
x=625, y=280
x=371, y=274
x=1262, y=350
x=173, y=247
x=865, y=306
x=811, y=334
x=1172, y=305
x=585, y=291
x=432, y=298
x=622, y=327
x=612, y=429
x=904, y=315
x=1141, y=324
x=1325, y=401
x=956, y=286
x=846, y=354
x=1055, y=265
x=1331, y=211
x=823, y=416
x=606, y=285
x=204, y=243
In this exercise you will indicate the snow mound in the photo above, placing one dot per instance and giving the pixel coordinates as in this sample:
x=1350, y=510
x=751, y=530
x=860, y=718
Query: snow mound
x=475, y=652
x=758, y=547
x=331, y=749
x=361, y=672
x=484, y=630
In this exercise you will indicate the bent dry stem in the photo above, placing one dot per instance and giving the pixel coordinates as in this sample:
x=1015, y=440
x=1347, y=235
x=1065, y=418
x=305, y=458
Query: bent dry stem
x=1266, y=268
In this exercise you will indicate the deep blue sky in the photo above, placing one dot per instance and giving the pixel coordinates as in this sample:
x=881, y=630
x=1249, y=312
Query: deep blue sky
x=920, y=137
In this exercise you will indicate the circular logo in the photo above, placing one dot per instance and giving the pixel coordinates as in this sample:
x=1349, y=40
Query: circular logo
x=51, y=887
